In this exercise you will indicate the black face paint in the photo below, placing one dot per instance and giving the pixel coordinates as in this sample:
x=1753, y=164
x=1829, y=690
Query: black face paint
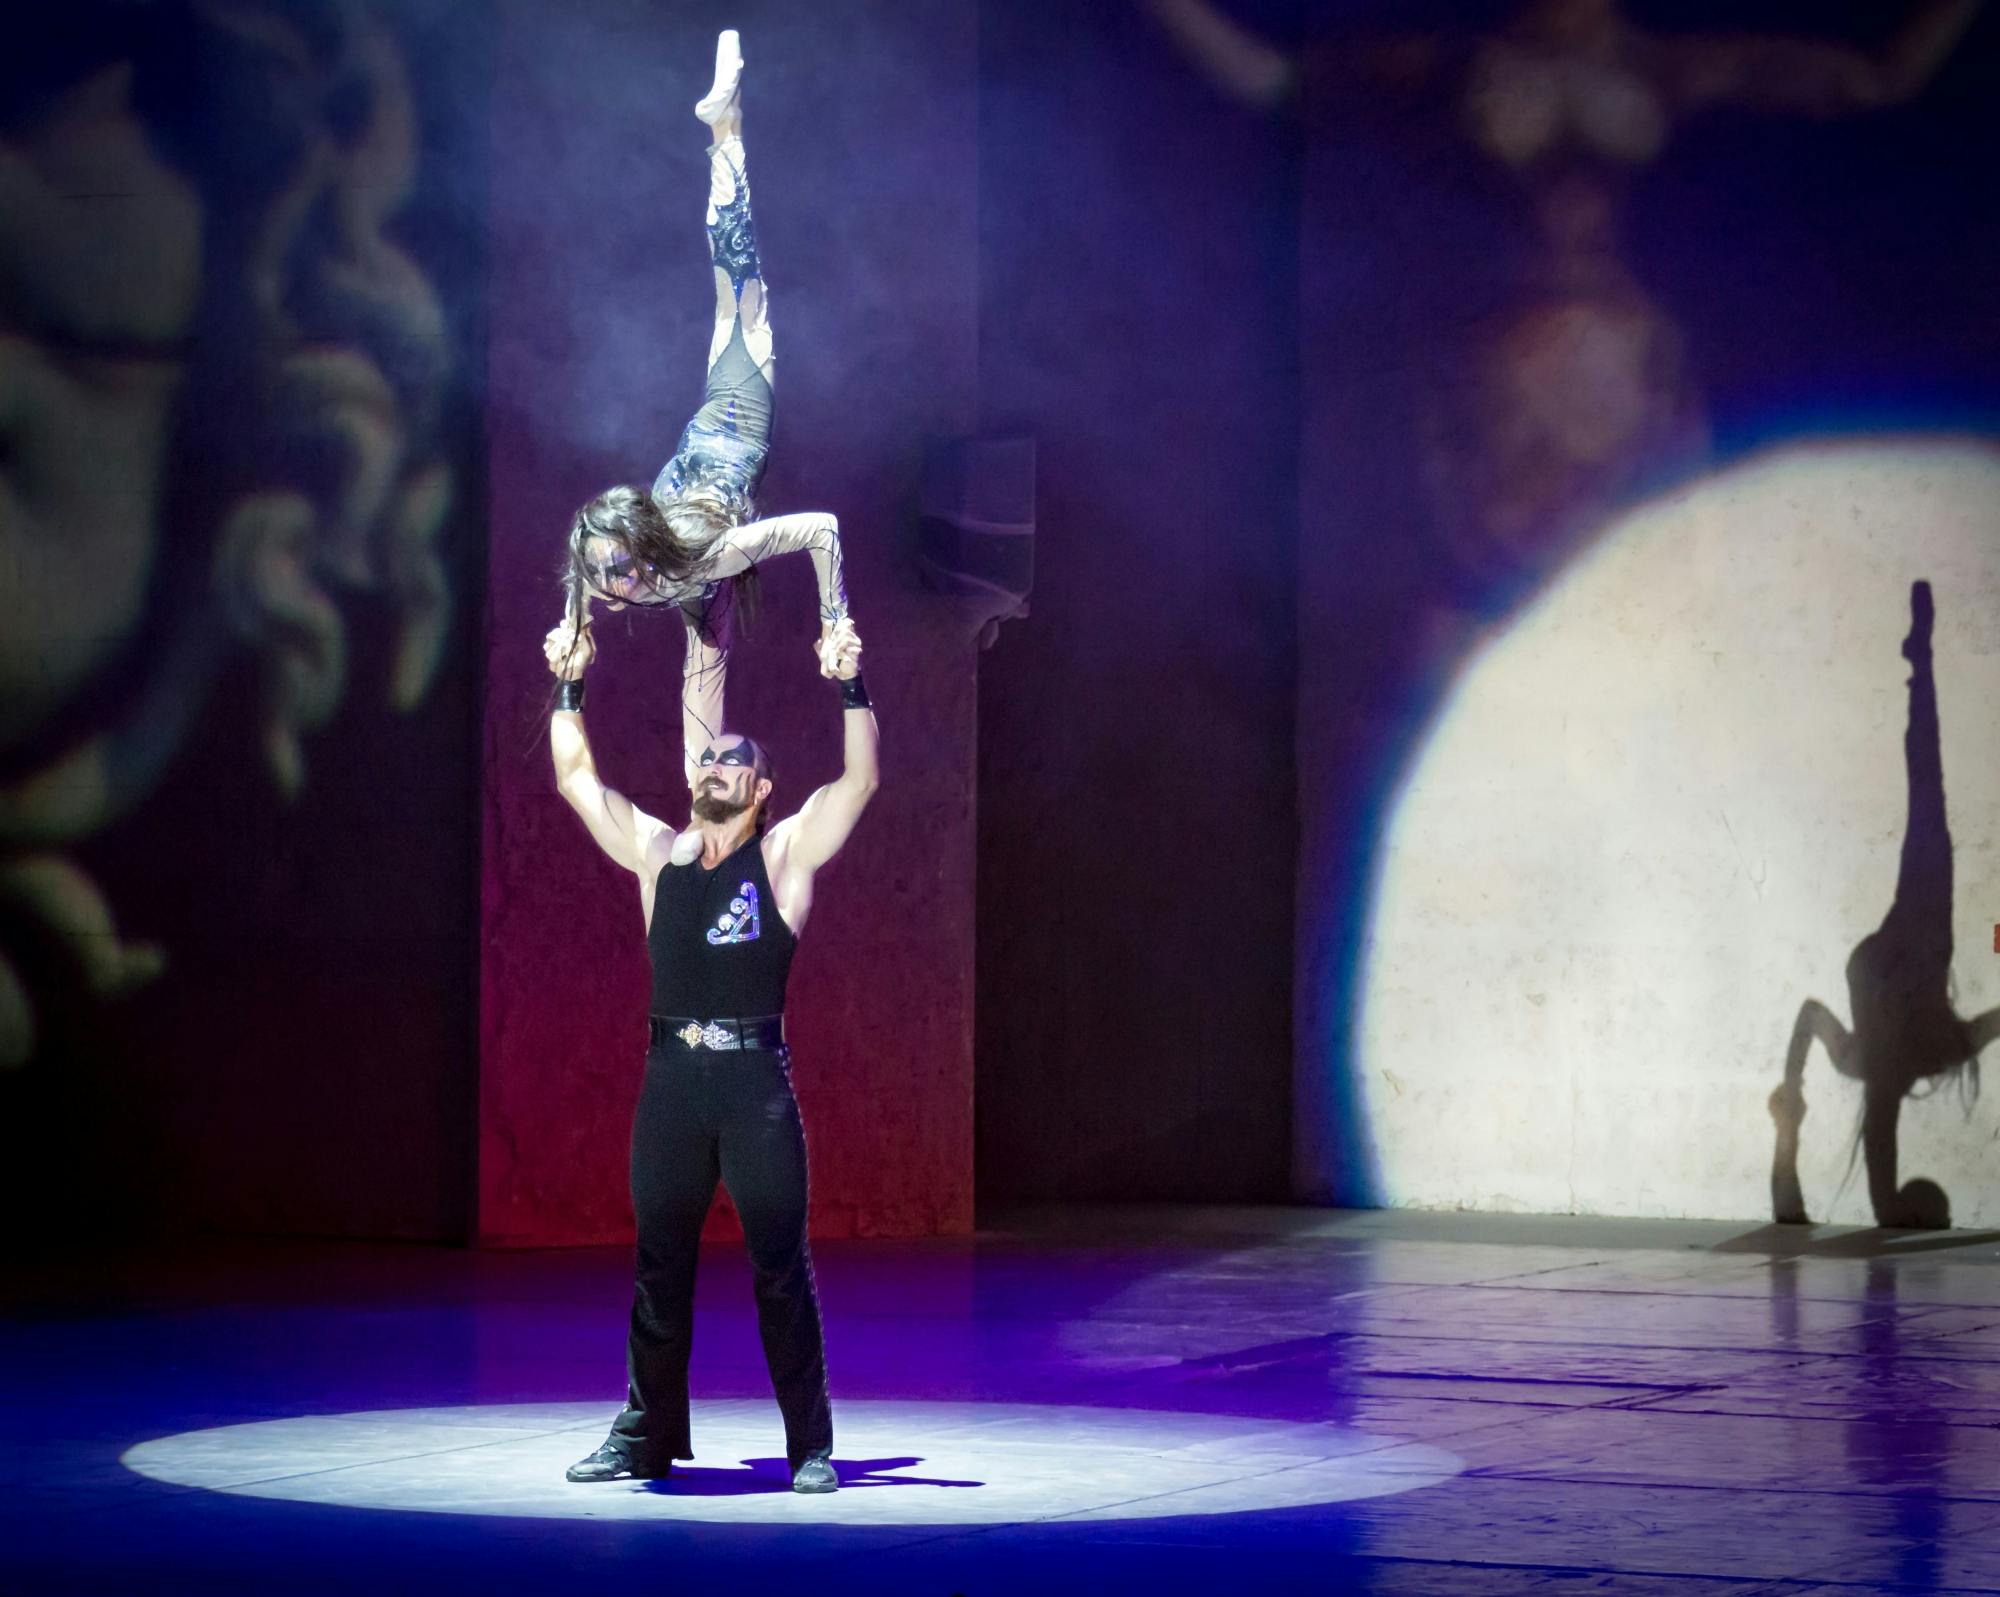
x=744, y=753
x=620, y=577
x=620, y=568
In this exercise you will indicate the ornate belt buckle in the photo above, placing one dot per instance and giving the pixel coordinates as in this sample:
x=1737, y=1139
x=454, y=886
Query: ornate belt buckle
x=690, y=1034
x=714, y=1036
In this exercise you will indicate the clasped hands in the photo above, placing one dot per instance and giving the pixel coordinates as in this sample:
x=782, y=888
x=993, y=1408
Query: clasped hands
x=570, y=649
x=839, y=650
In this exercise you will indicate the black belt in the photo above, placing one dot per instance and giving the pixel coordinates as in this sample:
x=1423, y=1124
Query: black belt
x=727, y=1034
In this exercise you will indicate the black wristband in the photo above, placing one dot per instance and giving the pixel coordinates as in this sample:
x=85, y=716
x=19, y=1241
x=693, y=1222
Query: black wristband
x=569, y=694
x=853, y=693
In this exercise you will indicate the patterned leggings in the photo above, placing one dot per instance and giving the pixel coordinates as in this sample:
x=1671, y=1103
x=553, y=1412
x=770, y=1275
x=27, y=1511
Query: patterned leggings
x=722, y=450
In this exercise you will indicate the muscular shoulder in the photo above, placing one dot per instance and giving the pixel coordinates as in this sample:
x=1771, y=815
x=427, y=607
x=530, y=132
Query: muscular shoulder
x=777, y=846
x=781, y=861
x=792, y=884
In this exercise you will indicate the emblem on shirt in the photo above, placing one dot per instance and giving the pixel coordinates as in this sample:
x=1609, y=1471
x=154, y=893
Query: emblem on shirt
x=742, y=923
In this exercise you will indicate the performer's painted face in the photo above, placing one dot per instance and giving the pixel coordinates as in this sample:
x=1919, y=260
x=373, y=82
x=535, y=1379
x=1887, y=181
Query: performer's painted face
x=613, y=573
x=726, y=777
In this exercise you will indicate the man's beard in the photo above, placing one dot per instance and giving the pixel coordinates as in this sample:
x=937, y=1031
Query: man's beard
x=713, y=807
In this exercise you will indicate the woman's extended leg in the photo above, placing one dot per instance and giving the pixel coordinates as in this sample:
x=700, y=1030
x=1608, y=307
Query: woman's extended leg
x=723, y=448
x=722, y=451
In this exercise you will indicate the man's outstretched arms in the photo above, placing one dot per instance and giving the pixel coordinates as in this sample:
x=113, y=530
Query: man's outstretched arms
x=817, y=832
x=620, y=828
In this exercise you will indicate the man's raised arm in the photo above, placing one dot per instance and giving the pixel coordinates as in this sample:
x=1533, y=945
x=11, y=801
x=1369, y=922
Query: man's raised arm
x=622, y=830
x=823, y=825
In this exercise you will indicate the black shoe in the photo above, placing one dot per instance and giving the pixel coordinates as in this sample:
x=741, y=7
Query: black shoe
x=612, y=1463
x=815, y=1475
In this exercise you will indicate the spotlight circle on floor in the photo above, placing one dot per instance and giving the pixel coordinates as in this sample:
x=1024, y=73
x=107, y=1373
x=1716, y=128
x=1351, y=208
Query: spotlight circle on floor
x=900, y=1464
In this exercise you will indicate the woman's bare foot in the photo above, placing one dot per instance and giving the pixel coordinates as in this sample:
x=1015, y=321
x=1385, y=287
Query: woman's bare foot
x=722, y=107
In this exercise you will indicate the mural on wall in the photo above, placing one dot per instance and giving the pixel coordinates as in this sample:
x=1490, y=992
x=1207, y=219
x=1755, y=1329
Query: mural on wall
x=1559, y=386
x=220, y=390
x=1907, y=1039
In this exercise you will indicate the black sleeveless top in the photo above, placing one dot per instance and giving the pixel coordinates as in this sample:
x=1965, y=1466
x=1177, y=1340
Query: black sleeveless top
x=718, y=944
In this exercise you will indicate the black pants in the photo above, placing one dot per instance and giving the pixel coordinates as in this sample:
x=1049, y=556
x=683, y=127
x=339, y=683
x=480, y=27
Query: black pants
x=702, y=1116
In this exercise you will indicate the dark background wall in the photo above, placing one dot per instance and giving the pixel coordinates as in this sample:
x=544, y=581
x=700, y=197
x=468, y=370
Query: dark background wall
x=1138, y=316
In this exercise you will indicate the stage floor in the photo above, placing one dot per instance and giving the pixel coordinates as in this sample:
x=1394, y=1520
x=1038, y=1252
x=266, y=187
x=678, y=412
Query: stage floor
x=1104, y=1401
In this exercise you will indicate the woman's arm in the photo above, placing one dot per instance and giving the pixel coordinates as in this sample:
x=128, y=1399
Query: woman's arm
x=1242, y=64
x=1253, y=71
x=1820, y=77
x=815, y=531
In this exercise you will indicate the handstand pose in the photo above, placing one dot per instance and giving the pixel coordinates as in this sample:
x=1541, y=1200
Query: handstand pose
x=683, y=541
x=1906, y=1030
x=724, y=903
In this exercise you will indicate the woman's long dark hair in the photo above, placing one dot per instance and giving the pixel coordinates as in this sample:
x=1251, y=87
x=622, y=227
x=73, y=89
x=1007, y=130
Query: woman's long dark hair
x=675, y=542
x=628, y=517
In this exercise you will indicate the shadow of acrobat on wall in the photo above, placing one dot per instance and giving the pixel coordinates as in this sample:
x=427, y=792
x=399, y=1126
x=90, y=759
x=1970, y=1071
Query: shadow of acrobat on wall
x=1906, y=1034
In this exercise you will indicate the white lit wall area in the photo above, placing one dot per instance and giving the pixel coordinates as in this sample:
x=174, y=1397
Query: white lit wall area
x=1682, y=821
